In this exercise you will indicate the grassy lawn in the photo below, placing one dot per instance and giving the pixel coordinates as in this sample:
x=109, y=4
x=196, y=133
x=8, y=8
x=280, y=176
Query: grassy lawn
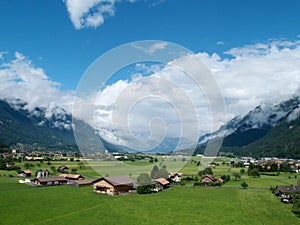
x=23, y=204
x=70, y=205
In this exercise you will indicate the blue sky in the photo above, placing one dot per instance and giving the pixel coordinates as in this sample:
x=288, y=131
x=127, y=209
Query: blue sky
x=252, y=49
x=43, y=31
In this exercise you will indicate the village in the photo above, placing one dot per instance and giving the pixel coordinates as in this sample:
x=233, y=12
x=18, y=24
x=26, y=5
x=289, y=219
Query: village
x=122, y=184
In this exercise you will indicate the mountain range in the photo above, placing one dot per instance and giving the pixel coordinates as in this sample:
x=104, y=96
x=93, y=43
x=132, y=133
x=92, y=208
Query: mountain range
x=267, y=130
x=21, y=126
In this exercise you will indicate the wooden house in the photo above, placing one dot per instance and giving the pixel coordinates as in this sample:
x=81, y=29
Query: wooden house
x=25, y=173
x=175, y=177
x=162, y=182
x=115, y=185
x=72, y=176
x=49, y=181
x=208, y=179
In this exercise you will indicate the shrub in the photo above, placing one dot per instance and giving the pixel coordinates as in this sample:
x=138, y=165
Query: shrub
x=197, y=184
x=244, y=184
x=145, y=189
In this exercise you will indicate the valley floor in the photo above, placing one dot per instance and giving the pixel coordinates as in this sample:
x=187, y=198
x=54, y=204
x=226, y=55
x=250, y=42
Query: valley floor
x=230, y=204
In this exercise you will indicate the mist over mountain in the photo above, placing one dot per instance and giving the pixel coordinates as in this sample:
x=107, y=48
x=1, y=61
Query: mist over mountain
x=18, y=125
x=267, y=130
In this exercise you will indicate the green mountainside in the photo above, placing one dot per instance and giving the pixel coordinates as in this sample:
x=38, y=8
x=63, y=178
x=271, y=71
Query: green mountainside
x=272, y=131
x=19, y=126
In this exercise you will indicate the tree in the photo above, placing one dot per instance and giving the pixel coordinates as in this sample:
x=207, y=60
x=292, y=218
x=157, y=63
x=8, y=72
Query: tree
x=145, y=189
x=244, y=184
x=143, y=179
x=236, y=175
x=253, y=172
x=208, y=170
x=27, y=165
x=53, y=169
x=2, y=163
x=74, y=170
x=296, y=205
x=154, y=171
x=80, y=165
x=242, y=171
x=161, y=173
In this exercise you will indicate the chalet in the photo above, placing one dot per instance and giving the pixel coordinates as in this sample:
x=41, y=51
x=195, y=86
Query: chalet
x=63, y=168
x=175, y=177
x=49, y=181
x=114, y=186
x=82, y=182
x=212, y=164
x=25, y=173
x=205, y=179
x=288, y=189
x=72, y=176
x=162, y=182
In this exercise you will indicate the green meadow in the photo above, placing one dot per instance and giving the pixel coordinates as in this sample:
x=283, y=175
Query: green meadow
x=230, y=204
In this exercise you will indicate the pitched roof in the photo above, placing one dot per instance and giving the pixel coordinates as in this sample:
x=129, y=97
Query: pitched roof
x=162, y=181
x=71, y=176
x=173, y=174
x=27, y=171
x=119, y=180
x=50, y=179
x=208, y=178
x=289, y=189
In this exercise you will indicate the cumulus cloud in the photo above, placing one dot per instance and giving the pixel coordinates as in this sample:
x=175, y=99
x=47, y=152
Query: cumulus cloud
x=152, y=48
x=2, y=55
x=91, y=13
x=21, y=81
x=255, y=74
x=252, y=75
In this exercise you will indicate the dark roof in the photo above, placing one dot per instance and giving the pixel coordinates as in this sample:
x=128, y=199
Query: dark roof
x=50, y=179
x=119, y=180
x=71, y=176
x=84, y=182
x=288, y=189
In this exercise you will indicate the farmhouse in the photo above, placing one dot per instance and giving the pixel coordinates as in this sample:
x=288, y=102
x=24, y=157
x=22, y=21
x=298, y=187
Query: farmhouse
x=162, y=182
x=63, y=168
x=175, y=177
x=72, y=176
x=25, y=173
x=208, y=179
x=49, y=181
x=114, y=185
x=288, y=189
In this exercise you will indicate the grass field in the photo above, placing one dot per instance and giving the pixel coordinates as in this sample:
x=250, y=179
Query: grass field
x=177, y=205
x=230, y=204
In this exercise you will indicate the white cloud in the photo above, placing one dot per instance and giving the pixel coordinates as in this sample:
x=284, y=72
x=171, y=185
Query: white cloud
x=91, y=13
x=252, y=75
x=21, y=80
x=2, y=55
x=153, y=48
x=220, y=43
x=257, y=73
